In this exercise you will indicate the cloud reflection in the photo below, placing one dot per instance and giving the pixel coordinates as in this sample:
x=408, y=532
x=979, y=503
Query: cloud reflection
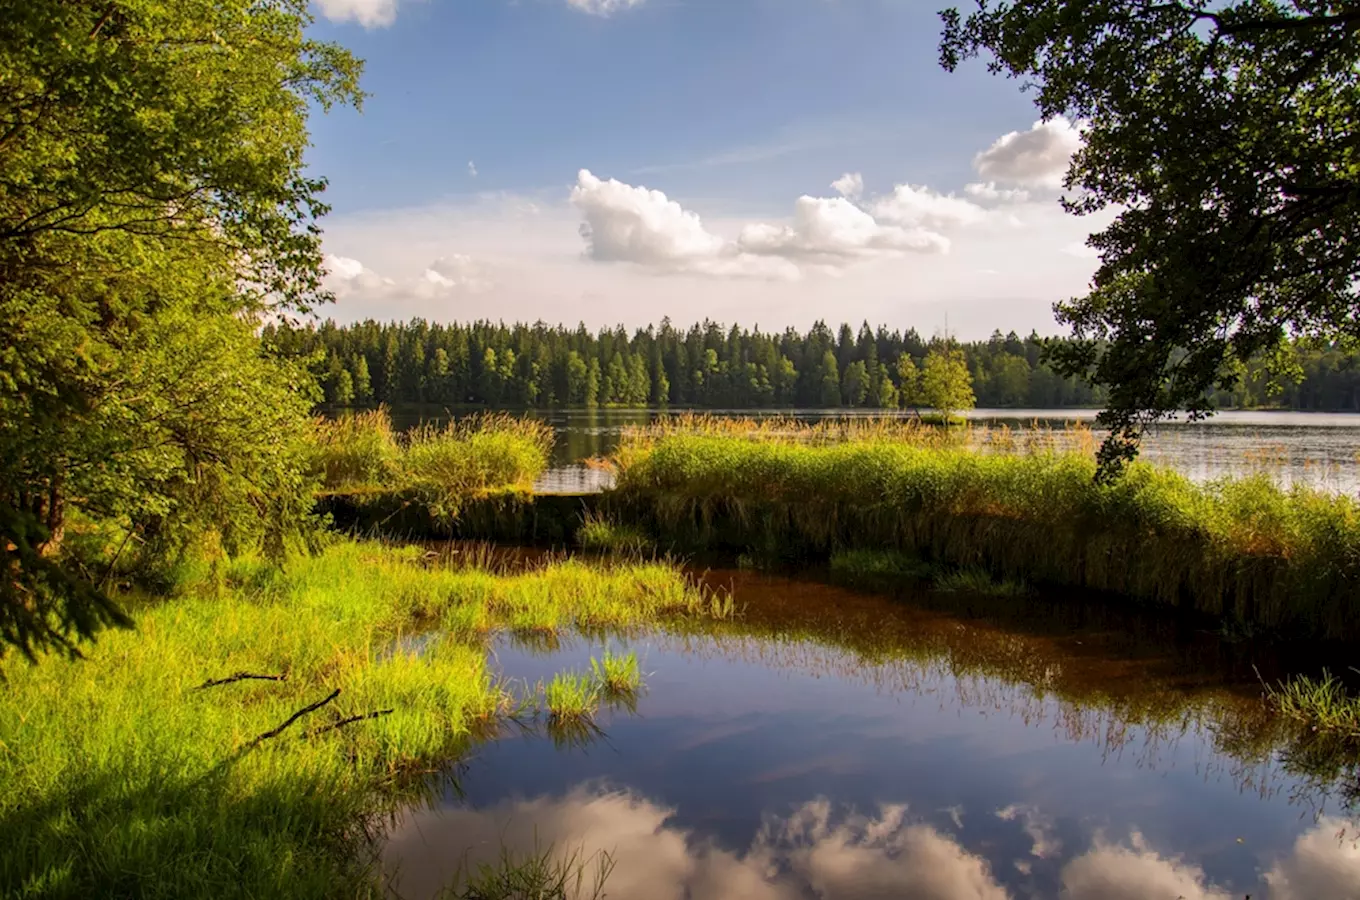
x=845, y=855
x=828, y=853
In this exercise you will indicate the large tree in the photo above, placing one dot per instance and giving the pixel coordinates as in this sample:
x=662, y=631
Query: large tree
x=153, y=206
x=1224, y=135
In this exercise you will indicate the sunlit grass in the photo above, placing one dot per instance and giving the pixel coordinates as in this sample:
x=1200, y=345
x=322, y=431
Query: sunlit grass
x=124, y=776
x=601, y=534
x=1285, y=559
x=618, y=675
x=1323, y=704
x=572, y=695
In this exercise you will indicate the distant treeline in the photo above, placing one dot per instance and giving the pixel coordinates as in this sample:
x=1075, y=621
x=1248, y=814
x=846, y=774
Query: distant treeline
x=709, y=366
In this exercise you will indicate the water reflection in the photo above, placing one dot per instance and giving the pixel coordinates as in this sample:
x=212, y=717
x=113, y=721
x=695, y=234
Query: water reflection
x=823, y=850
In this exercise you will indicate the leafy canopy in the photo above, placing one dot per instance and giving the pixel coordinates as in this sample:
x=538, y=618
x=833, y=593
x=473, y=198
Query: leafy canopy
x=946, y=385
x=153, y=205
x=1224, y=135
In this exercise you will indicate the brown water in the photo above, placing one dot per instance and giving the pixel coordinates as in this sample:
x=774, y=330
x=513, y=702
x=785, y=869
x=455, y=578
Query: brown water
x=835, y=744
x=1317, y=449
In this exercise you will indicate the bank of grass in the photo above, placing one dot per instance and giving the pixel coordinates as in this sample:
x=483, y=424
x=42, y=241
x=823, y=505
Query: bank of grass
x=364, y=453
x=243, y=739
x=1284, y=559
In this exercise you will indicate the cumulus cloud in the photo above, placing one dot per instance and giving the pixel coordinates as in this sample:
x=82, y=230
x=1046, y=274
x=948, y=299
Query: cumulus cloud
x=1036, y=158
x=602, y=7
x=847, y=855
x=368, y=13
x=1325, y=862
x=916, y=206
x=988, y=192
x=850, y=185
x=445, y=277
x=627, y=223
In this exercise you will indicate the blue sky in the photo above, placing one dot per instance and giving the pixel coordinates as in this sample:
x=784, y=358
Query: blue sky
x=734, y=110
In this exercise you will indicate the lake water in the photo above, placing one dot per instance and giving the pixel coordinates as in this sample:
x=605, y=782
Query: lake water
x=1317, y=449
x=835, y=744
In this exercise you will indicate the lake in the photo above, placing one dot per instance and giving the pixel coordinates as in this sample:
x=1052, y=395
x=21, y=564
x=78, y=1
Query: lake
x=1316, y=449
x=836, y=744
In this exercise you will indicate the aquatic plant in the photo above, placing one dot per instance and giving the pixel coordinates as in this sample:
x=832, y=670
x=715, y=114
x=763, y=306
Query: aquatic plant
x=257, y=728
x=878, y=568
x=572, y=695
x=540, y=875
x=602, y=534
x=1285, y=559
x=618, y=675
x=448, y=463
x=1322, y=704
x=974, y=580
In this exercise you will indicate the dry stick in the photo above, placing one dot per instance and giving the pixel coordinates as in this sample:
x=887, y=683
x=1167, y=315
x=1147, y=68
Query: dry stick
x=240, y=676
x=293, y=718
x=349, y=721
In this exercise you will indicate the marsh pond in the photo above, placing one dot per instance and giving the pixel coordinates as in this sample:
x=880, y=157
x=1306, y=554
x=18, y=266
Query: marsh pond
x=833, y=742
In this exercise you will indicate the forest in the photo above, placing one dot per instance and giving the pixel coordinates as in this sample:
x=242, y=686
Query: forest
x=710, y=366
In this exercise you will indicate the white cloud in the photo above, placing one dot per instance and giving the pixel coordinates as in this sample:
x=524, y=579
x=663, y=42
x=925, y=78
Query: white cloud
x=446, y=277
x=988, y=192
x=1036, y=158
x=1325, y=862
x=850, y=185
x=368, y=13
x=812, y=851
x=602, y=7
x=833, y=231
x=919, y=207
x=472, y=168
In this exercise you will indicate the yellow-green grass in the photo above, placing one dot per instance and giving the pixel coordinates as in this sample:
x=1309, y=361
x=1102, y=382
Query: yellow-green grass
x=363, y=453
x=123, y=776
x=1323, y=704
x=1284, y=559
x=572, y=696
x=601, y=534
x=619, y=675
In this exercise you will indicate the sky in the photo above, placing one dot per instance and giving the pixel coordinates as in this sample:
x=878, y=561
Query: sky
x=760, y=162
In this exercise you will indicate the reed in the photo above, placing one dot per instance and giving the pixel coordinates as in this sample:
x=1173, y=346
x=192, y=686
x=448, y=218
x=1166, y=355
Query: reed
x=241, y=740
x=1284, y=559
x=617, y=675
x=447, y=464
x=602, y=534
x=572, y=696
x=1322, y=704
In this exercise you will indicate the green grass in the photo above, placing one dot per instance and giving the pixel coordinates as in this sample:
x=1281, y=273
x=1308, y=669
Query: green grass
x=541, y=875
x=123, y=776
x=878, y=568
x=604, y=535
x=446, y=464
x=1287, y=560
x=979, y=581
x=617, y=675
x=572, y=696
x=1322, y=704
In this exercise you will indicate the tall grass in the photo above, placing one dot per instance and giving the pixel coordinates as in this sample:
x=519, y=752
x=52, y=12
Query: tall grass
x=458, y=460
x=1245, y=548
x=239, y=742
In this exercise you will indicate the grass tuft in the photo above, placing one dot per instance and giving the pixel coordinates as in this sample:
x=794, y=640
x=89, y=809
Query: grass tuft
x=540, y=875
x=604, y=535
x=572, y=696
x=1322, y=704
x=979, y=581
x=617, y=675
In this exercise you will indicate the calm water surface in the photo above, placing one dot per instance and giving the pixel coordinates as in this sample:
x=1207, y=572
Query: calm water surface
x=833, y=744
x=1318, y=449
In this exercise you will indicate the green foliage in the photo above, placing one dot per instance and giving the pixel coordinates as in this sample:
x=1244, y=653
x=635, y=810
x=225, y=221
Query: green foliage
x=946, y=385
x=1287, y=560
x=881, y=569
x=153, y=204
x=1323, y=704
x=1221, y=133
x=572, y=696
x=125, y=776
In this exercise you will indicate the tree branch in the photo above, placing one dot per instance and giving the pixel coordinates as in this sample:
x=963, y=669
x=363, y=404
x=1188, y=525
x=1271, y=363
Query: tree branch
x=293, y=718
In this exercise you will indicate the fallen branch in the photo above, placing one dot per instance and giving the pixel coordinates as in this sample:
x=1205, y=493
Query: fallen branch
x=293, y=718
x=240, y=676
x=377, y=713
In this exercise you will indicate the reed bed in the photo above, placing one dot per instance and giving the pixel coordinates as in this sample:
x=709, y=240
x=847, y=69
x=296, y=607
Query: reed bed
x=1239, y=549
x=241, y=741
x=462, y=459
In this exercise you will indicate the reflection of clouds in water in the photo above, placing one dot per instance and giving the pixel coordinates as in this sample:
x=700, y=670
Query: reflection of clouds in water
x=849, y=856
x=1136, y=872
x=1325, y=863
x=1039, y=828
x=816, y=852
